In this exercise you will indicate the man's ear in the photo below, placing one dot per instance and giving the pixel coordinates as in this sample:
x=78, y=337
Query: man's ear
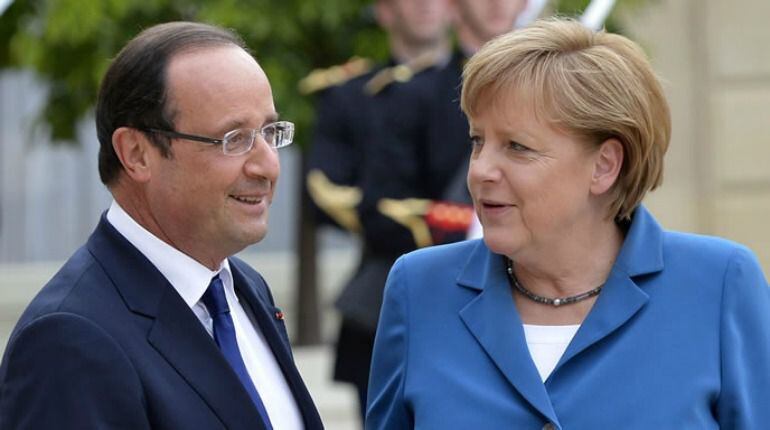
x=133, y=150
x=609, y=160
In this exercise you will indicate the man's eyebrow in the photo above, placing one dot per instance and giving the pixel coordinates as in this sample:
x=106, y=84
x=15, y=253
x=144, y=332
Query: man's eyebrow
x=273, y=117
x=240, y=123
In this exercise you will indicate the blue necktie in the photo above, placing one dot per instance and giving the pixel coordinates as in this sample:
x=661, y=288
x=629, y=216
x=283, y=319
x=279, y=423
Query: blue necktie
x=224, y=335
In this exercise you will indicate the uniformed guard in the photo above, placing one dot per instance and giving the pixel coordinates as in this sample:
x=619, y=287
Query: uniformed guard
x=368, y=145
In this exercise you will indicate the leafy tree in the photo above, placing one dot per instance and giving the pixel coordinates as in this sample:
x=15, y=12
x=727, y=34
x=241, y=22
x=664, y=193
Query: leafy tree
x=69, y=43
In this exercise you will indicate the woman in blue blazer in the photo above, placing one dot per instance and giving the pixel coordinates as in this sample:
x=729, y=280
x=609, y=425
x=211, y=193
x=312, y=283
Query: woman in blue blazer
x=576, y=311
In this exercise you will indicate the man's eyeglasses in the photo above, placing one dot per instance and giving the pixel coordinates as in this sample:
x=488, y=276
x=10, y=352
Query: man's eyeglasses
x=240, y=141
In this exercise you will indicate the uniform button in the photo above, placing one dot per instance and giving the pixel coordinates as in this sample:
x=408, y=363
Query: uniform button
x=549, y=426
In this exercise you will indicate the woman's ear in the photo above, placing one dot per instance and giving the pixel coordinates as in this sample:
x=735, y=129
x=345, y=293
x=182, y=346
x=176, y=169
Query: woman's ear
x=133, y=150
x=608, y=162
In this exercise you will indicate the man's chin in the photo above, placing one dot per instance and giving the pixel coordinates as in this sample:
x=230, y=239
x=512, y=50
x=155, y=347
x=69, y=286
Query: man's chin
x=247, y=235
x=255, y=236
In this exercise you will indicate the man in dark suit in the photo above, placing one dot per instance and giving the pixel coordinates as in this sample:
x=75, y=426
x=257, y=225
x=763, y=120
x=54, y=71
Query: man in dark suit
x=153, y=323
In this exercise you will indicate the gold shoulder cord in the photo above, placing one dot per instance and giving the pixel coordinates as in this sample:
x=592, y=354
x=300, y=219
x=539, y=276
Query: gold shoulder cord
x=409, y=213
x=321, y=79
x=337, y=201
x=400, y=73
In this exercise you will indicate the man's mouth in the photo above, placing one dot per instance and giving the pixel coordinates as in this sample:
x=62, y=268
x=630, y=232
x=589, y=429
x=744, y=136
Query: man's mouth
x=249, y=200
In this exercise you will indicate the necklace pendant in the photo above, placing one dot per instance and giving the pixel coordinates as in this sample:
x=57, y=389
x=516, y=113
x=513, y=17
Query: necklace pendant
x=557, y=302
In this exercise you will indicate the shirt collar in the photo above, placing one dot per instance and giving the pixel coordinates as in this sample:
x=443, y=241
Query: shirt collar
x=188, y=277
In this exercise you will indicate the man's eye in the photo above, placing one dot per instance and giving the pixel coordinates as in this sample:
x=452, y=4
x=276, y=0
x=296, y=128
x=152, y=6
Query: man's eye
x=269, y=133
x=237, y=138
x=476, y=141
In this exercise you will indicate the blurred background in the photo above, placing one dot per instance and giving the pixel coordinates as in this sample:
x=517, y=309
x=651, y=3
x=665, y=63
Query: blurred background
x=712, y=56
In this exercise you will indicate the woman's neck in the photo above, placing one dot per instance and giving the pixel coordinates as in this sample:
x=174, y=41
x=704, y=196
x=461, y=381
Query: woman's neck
x=580, y=261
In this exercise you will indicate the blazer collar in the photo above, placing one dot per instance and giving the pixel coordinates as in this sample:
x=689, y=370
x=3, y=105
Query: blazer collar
x=175, y=332
x=642, y=250
x=138, y=282
x=621, y=297
x=641, y=253
x=494, y=322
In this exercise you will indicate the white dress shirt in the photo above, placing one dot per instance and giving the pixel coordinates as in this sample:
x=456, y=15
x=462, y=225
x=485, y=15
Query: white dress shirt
x=191, y=279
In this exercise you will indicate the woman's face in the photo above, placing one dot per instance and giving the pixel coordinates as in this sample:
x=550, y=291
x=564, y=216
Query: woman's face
x=530, y=182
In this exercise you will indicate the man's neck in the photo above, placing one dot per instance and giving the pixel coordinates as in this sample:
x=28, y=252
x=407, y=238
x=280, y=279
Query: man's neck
x=469, y=42
x=404, y=53
x=137, y=208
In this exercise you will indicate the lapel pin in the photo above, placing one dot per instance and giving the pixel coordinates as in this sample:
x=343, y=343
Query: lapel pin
x=279, y=315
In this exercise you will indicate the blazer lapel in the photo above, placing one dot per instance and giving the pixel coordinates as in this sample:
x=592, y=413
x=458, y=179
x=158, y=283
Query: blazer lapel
x=265, y=315
x=618, y=302
x=175, y=332
x=494, y=322
x=621, y=298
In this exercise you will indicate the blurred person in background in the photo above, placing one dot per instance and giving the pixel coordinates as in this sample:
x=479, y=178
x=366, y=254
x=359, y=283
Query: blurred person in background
x=153, y=323
x=475, y=23
x=576, y=310
x=478, y=21
x=365, y=117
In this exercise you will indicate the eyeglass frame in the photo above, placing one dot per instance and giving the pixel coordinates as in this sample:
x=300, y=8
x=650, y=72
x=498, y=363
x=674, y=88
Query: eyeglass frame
x=287, y=126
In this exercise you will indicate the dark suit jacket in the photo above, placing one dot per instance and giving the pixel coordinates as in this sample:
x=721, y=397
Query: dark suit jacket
x=108, y=343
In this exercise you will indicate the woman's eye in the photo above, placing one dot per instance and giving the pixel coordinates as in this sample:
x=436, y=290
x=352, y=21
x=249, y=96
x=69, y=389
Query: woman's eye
x=476, y=143
x=517, y=147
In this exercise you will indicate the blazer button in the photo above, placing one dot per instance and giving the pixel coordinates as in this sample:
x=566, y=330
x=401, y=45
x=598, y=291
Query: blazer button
x=549, y=426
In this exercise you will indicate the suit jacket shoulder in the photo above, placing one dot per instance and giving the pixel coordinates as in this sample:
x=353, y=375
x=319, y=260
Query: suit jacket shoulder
x=109, y=319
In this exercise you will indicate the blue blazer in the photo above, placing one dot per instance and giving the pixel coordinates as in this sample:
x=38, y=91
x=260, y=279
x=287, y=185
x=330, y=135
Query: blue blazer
x=679, y=338
x=109, y=343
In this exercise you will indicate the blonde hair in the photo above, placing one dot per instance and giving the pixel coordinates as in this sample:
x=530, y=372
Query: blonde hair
x=595, y=86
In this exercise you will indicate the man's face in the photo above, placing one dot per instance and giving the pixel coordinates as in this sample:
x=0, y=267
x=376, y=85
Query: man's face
x=489, y=18
x=205, y=203
x=418, y=22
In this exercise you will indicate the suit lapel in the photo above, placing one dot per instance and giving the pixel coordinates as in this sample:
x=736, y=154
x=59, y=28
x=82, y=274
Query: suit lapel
x=265, y=316
x=176, y=333
x=494, y=322
x=180, y=338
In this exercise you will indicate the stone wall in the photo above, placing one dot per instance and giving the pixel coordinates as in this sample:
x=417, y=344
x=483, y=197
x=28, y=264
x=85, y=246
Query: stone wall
x=714, y=58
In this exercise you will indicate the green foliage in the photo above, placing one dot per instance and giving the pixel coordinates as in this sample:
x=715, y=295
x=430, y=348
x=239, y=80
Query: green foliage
x=576, y=7
x=69, y=43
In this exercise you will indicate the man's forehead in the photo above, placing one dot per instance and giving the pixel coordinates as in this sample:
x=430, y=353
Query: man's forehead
x=220, y=68
x=209, y=56
x=223, y=83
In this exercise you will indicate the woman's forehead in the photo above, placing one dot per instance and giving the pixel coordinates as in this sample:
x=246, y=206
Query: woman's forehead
x=509, y=98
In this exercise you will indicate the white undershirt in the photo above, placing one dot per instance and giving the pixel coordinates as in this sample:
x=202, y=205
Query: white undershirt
x=547, y=344
x=191, y=279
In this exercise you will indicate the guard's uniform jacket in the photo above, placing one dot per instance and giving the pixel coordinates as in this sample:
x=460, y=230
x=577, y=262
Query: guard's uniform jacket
x=387, y=143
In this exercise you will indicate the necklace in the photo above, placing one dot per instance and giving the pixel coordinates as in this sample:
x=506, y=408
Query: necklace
x=559, y=301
